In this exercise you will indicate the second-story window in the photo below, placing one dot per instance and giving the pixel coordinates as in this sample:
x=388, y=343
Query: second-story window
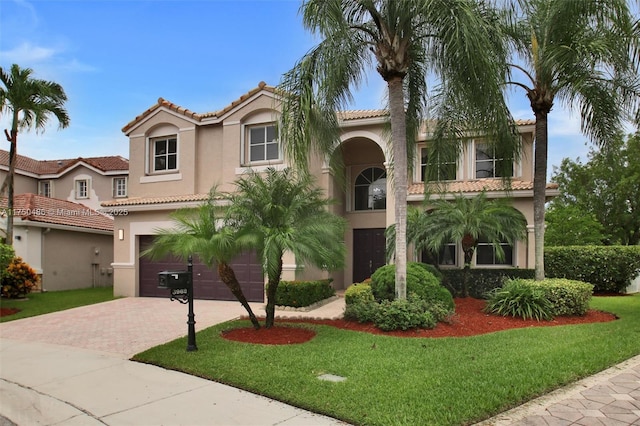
x=164, y=154
x=119, y=187
x=82, y=188
x=442, y=170
x=45, y=188
x=489, y=164
x=263, y=143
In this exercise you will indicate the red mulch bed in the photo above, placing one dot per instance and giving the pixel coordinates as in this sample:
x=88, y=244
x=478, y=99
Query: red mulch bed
x=469, y=320
x=8, y=311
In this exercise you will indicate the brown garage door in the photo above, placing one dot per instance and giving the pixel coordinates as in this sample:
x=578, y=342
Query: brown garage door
x=206, y=283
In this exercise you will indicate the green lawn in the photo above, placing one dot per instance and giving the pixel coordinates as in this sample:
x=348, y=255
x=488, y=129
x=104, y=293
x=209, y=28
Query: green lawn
x=52, y=301
x=410, y=381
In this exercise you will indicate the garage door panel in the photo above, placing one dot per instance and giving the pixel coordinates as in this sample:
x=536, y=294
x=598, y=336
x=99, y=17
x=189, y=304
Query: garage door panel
x=206, y=282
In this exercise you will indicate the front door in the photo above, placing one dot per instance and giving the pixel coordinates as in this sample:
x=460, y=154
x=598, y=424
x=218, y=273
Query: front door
x=368, y=252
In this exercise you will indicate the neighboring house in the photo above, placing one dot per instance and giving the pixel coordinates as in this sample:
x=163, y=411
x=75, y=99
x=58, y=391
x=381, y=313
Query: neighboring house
x=88, y=181
x=68, y=244
x=177, y=155
x=57, y=228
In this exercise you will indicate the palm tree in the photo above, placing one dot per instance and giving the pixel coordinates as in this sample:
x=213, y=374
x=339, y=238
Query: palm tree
x=201, y=232
x=453, y=40
x=584, y=53
x=464, y=220
x=30, y=102
x=281, y=211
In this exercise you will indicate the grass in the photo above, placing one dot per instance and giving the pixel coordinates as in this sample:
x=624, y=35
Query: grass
x=407, y=381
x=52, y=301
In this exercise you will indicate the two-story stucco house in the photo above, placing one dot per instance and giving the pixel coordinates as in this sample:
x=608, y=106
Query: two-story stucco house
x=57, y=228
x=177, y=155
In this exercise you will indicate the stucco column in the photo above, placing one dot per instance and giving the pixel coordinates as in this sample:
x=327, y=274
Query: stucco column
x=531, y=254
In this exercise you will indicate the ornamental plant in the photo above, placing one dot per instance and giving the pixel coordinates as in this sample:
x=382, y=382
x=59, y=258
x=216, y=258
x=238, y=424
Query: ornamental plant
x=519, y=298
x=19, y=279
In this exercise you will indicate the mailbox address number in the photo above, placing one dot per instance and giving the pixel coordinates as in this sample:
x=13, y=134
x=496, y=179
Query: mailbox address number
x=179, y=291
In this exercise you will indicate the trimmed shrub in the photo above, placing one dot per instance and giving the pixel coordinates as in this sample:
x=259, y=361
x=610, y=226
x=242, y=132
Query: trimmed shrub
x=7, y=253
x=519, y=298
x=20, y=279
x=419, y=281
x=362, y=311
x=431, y=268
x=609, y=268
x=357, y=293
x=567, y=297
x=404, y=315
x=303, y=293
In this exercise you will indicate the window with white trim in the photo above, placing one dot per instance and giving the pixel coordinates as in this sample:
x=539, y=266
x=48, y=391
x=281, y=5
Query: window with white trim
x=45, y=188
x=262, y=143
x=164, y=154
x=445, y=170
x=488, y=163
x=119, y=187
x=486, y=253
x=82, y=188
x=370, y=189
x=447, y=256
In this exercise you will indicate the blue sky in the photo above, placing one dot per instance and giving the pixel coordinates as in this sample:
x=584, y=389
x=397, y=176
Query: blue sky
x=116, y=58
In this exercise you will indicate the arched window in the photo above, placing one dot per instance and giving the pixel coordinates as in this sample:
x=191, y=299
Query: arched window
x=370, y=192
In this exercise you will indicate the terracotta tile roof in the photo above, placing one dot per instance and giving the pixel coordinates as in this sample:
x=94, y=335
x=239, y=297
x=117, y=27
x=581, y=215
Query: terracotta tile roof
x=142, y=201
x=362, y=113
x=36, y=208
x=477, y=186
x=194, y=115
x=46, y=167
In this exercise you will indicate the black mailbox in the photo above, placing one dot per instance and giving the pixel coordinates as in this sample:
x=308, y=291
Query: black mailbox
x=173, y=279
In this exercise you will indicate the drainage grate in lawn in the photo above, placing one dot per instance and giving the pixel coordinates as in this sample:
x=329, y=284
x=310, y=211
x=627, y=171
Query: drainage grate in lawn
x=331, y=378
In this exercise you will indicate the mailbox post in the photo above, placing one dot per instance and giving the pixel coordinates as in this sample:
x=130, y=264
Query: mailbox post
x=180, y=283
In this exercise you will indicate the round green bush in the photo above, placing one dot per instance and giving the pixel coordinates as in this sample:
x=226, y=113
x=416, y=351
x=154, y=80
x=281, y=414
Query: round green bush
x=431, y=268
x=358, y=293
x=419, y=281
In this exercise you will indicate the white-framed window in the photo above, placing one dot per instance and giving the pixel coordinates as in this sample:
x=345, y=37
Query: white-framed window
x=119, y=187
x=370, y=189
x=447, y=256
x=488, y=163
x=486, y=253
x=164, y=154
x=262, y=143
x=45, y=188
x=445, y=170
x=82, y=188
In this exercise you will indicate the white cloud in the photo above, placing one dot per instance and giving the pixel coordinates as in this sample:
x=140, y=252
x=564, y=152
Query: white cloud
x=28, y=53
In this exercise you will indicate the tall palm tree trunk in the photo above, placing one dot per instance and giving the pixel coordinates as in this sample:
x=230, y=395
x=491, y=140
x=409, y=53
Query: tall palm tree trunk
x=228, y=276
x=399, y=181
x=539, y=190
x=13, y=140
x=272, y=288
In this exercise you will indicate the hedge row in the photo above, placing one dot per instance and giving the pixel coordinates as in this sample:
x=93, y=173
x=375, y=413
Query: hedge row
x=303, y=293
x=481, y=281
x=609, y=268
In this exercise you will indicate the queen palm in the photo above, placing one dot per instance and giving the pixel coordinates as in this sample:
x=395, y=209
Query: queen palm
x=202, y=232
x=585, y=54
x=30, y=102
x=452, y=40
x=281, y=211
x=464, y=220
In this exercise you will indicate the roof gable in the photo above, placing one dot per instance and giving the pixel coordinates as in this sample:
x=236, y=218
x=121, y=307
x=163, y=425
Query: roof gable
x=105, y=164
x=204, y=118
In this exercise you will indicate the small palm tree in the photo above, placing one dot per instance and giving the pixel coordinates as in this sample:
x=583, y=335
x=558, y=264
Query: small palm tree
x=30, y=102
x=465, y=220
x=584, y=53
x=456, y=41
x=201, y=232
x=280, y=211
